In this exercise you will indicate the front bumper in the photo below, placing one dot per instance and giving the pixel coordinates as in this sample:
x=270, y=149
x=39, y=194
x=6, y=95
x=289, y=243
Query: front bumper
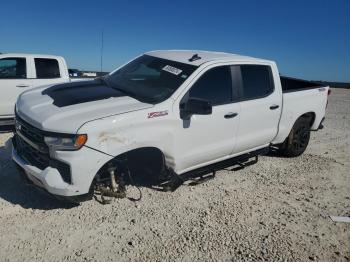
x=84, y=165
x=49, y=179
x=61, y=173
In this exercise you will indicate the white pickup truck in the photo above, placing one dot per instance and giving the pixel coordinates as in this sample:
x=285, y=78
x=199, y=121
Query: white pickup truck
x=20, y=72
x=165, y=116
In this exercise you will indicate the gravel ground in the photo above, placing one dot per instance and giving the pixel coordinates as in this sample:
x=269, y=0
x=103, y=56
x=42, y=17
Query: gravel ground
x=275, y=210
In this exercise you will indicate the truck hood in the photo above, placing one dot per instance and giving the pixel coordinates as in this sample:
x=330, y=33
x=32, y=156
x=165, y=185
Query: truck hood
x=64, y=108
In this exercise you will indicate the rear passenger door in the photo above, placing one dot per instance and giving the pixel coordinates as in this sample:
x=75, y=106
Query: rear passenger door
x=47, y=71
x=260, y=106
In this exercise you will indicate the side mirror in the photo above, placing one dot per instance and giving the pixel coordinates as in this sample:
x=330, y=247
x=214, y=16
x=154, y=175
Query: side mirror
x=195, y=106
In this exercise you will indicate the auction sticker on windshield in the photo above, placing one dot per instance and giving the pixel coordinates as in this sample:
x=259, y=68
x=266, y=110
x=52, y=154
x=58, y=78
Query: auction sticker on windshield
x=172, y=70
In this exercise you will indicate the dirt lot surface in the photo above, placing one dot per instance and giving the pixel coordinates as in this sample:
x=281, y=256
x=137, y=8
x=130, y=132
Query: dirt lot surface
x=275, y=210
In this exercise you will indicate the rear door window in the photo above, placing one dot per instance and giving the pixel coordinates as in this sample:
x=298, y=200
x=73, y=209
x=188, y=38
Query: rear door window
x=214, y=86
x=13, y=68
x=47, y=68
x=257, y=81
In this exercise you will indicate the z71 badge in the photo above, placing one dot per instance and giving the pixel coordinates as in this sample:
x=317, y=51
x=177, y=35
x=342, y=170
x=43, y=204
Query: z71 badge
x=157, y=114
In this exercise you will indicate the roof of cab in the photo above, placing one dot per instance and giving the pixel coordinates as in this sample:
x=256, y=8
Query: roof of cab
x=184, y=56
x=28, y=55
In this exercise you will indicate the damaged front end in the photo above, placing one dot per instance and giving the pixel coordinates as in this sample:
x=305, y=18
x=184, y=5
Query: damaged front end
x=139, y=168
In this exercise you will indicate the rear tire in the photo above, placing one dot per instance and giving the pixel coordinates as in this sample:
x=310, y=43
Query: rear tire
x=298, y=138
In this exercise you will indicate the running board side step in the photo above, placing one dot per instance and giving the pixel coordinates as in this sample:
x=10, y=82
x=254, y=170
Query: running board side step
x=7, y=121
x=200, y=175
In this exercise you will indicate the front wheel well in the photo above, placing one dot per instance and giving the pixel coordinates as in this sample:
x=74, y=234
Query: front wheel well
x=146, y=165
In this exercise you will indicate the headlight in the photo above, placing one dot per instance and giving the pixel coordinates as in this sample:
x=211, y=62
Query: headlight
x=66, y=143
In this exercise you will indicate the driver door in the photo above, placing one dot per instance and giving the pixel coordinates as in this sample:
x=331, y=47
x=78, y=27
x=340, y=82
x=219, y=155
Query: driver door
x=205, y=138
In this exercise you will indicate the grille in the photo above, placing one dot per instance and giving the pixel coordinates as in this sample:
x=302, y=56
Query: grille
x=40, y=159
x=30, y=154
x=32, y=133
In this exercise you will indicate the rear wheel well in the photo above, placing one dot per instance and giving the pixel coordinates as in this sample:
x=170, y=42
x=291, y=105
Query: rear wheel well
x=311, y=116
x=298, y=137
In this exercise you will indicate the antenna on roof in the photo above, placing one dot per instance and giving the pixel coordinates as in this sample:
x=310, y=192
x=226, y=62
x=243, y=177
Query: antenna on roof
x=194, y=58
x=101, y=60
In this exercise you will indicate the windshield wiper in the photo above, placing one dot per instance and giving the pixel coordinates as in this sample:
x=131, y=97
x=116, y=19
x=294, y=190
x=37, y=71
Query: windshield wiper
x=128, y=93
x=104, y=81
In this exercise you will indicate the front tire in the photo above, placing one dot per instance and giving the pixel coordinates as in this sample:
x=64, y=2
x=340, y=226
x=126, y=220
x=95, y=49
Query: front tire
x=298, y=138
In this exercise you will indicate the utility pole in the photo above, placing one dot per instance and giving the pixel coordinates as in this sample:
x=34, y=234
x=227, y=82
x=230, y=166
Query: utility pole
x=101, y=51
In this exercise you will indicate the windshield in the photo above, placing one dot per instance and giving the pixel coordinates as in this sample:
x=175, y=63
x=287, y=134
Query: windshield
x=150, y=79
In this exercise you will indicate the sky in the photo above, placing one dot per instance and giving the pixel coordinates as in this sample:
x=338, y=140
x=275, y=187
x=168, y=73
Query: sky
x=308, y=39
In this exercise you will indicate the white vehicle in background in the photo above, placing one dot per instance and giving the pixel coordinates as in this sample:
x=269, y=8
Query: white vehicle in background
x=21, y=72
x=167, y=115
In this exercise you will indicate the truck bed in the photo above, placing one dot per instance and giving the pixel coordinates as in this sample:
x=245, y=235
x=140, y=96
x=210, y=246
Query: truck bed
x=290, y=84
x=300, y=97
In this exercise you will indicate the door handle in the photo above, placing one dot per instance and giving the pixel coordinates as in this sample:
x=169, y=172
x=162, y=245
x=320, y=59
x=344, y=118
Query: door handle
x=231, y=115
x=273, y=107
x=22, y=85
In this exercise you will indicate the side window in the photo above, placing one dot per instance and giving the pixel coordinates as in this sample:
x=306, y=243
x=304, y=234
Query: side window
x=47, y=68
x=257, y=81
x=214, y=86
x=13, y=68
